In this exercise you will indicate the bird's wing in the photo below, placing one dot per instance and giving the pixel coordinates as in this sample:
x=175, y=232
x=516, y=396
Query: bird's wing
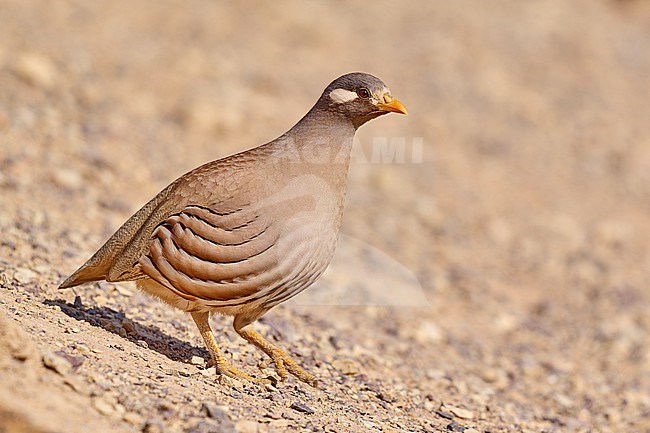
x=213, y=255
x=118, y=259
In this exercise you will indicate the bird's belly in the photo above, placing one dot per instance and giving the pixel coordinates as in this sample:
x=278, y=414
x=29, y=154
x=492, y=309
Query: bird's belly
x=307, y=236
x=304, y=253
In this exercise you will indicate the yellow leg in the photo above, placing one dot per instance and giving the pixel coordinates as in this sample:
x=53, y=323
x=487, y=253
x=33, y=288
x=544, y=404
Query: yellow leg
x=283, y=363
x=221, y=364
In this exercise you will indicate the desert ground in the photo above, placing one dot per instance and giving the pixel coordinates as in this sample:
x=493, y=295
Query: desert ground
x=495, y=279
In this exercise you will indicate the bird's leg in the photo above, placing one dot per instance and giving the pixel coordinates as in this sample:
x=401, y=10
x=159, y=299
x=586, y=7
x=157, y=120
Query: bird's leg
x=283, y=363
x=221, y=364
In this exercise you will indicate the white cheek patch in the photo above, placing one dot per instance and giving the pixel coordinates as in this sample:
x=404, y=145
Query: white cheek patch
x=341, y=96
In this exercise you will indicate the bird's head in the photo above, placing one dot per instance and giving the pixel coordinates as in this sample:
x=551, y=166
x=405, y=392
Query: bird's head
x=360, y=97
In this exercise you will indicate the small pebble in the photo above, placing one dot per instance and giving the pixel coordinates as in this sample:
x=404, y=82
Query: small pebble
x=234, y=394
x=153, y=426
x=66, y=178
x=346, y=366
x=132, y=418
x=299, y=407
x=128, y=327
x=25, y=275
x=273, y=415
x=208, y=372
x=77, y=384
x=75, y=361
x=197, y=360
x=459, y=412
x=103, y=406
x=57, y=363
x=455, y=427
x=428, y=332
x=214, y=411
x=36, y=70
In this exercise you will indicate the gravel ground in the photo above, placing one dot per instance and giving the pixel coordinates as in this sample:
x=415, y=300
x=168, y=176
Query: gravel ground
x=497, y=283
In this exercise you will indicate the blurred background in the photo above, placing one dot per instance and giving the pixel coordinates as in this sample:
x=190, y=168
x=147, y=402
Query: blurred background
x=526, y=224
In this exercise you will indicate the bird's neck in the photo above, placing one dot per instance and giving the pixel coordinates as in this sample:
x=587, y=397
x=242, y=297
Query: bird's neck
x=324, y=138
x=318, y=145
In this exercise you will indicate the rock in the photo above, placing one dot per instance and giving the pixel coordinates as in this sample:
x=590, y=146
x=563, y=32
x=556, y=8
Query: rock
x=454, y=427
x=435, y=374
x=4, y=278
x=54, y=361
x=428, y=332
x=129, y=327
x=613, y=416
x=75, y=361
x=36, y=70
x=67, y=179
x=459, y=412
x=184, y=373
x=14, y=342
x=197, y=360
x=219, y=420
x=386, y=396
x=77, y=384
x=25, y=275
x=215, y=411
x=563, y=400
x=300, y=407
x=208, y=372
x=506, y=322
x=133, y=418
x=153, y=426
x=274, y=415
x=246, y=426
x=104, y=406
x=346, y=366
x=496, y=377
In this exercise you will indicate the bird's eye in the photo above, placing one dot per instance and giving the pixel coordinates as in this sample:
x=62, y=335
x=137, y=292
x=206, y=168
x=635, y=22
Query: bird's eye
x=363, y=93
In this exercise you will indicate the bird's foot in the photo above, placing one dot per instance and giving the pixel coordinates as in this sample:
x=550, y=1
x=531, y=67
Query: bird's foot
x=224, y=368
x=285, y=365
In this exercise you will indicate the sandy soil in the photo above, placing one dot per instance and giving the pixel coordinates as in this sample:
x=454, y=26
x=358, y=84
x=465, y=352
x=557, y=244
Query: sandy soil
x=499, y=284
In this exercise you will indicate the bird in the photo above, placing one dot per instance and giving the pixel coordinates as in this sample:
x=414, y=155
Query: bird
x=242, y=234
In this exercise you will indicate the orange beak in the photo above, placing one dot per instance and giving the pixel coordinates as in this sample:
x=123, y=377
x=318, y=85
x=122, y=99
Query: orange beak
x=393, y=105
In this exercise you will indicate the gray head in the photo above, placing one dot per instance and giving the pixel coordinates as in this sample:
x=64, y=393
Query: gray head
x=359, y=97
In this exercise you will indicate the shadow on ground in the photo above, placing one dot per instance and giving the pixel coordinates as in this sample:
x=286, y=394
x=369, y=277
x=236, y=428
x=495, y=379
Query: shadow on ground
x=117, y=323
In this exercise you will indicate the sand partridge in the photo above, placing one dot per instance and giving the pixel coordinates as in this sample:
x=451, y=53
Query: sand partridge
x=239, y=235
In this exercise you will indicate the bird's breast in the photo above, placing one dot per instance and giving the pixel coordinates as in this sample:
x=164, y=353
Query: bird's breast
x=263, y=249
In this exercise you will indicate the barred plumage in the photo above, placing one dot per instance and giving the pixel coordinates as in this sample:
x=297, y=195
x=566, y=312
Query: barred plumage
x=242, y=234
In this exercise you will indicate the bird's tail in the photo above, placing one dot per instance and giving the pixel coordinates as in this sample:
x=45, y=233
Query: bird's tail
x=90, y=271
